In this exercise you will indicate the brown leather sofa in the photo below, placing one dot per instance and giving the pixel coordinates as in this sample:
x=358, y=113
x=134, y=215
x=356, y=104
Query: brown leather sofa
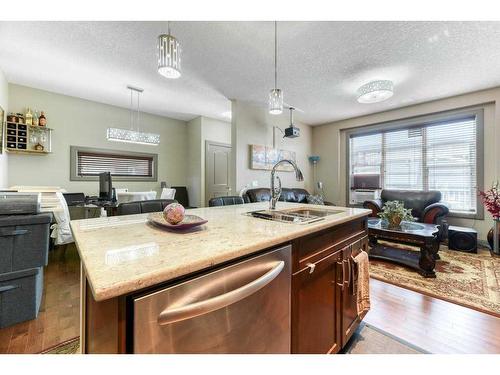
x=296, y=195
x=425, y=205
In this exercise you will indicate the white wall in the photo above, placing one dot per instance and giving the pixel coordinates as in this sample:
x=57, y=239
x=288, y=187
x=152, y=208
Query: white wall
x=252, y=124
x=83, y=123
x=329, y=142
x=4, y=103
x=200, y=130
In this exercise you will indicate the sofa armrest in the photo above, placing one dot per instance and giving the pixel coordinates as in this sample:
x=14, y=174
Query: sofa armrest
x=375, y=205
x=434, y=213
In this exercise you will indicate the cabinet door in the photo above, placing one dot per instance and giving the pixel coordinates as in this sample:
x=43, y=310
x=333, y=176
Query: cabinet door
x=350, y=318
x=316, y=307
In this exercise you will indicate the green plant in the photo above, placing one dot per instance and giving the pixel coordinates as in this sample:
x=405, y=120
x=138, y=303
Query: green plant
x=394, y=212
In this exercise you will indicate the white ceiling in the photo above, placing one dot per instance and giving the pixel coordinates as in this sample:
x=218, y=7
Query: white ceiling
x=320, y=64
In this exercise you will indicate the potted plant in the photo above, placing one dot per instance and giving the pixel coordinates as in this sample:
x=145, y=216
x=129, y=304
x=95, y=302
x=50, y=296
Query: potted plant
x=394, y=212
x=491, y=201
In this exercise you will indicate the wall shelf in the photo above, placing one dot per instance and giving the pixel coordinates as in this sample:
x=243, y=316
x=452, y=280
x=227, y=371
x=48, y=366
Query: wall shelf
x=23, y=139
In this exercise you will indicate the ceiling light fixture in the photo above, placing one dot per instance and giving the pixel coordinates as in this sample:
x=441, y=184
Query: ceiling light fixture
x=375, y=91
x=131, y=135
x=275, y=95
x=169, y=55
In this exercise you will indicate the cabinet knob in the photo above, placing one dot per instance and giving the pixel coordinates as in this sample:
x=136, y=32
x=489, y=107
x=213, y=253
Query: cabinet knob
x=311, y=266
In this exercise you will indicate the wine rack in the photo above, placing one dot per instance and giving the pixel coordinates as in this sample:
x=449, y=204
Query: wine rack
x=29, y=139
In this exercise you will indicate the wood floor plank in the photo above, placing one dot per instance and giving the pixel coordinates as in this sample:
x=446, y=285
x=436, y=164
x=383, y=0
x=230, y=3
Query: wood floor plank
x=58, y=319
x=432, y=324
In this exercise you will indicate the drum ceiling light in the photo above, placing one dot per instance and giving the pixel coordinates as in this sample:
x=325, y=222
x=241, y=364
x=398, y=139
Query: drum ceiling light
x=169, y=55
x=375, y=91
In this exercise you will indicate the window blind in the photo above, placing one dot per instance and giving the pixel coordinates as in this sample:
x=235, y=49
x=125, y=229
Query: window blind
x=438, y=156
x=93, y=163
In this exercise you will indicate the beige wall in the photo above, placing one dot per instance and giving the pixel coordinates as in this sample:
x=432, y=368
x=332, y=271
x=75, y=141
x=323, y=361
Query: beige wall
x=329, y=142
x=83, y=123
x=252, y=124
x=200, y=130
x=4, y=103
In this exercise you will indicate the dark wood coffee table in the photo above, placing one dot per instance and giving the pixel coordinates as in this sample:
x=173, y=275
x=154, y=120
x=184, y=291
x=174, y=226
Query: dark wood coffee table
x=420, y=235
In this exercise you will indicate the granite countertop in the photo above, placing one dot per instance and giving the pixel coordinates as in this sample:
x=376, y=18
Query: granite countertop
x=123, y=254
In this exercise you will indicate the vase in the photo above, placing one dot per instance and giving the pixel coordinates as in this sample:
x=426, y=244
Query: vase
x=493, y=237
x=395, y=221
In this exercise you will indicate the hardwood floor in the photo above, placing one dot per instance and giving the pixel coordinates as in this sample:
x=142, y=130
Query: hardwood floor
x=426, y=322
x=58, y=319
x=432, y=324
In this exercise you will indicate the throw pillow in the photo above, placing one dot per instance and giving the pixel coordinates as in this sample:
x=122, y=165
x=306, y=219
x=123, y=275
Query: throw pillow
x=315, y=199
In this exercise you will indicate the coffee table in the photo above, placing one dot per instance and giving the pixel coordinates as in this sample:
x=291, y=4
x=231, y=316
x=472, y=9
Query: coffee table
x=423, y=236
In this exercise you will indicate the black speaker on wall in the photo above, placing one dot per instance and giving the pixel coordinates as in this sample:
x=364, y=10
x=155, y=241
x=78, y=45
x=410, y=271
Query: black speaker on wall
x=462, y=239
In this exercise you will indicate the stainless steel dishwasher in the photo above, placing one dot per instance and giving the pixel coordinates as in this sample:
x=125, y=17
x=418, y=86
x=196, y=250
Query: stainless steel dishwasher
x=241, y=308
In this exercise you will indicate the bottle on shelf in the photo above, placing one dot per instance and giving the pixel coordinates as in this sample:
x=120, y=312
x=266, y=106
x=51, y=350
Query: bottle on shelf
x=42, y=120
x=28, y=118
x=35, y=118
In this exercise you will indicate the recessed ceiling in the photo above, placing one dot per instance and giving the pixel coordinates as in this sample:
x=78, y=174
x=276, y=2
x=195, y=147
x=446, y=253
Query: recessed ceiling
x=320, y=64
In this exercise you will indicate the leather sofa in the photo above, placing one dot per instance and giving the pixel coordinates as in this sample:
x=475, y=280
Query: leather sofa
x=225, y=201
x=425, y=205
x=141, y=207
x=295, y=195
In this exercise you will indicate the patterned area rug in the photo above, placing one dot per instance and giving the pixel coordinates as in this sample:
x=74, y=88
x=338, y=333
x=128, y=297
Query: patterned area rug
x=471, y=280
x=68, y=347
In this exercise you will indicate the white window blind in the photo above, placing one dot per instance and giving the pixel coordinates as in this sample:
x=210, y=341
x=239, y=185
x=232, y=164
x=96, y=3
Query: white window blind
x=93, y=163
x=439, y=156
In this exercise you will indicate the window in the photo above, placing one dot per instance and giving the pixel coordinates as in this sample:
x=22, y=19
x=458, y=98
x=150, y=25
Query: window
x=428, y=154
x=87, y=163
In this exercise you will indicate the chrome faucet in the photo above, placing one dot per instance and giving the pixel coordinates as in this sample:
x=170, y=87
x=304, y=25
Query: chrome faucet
x=276, y=191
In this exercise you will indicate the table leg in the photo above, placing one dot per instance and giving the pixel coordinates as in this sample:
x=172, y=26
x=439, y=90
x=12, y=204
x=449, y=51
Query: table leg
x=427, y=261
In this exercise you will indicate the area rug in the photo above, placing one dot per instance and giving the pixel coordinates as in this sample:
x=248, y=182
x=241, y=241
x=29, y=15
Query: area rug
x=371, y=340
x=69, y=347
x=470, y=280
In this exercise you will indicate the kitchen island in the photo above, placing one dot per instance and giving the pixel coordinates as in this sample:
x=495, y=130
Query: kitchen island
x=124, y=258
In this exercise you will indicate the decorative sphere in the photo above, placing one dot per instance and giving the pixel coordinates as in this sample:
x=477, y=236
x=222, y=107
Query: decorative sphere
x=174, y=213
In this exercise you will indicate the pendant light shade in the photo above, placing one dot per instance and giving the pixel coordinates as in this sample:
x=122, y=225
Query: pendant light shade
x=275, y=101
x=169, y=56
x=133, y=135
x=275, y=95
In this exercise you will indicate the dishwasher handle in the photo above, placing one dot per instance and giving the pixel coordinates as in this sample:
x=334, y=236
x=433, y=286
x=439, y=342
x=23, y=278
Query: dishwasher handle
x=177, y=314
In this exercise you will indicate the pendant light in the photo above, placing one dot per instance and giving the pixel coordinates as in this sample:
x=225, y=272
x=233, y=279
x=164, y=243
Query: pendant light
x=169, y=55
x=275, y=95
x=131, y=135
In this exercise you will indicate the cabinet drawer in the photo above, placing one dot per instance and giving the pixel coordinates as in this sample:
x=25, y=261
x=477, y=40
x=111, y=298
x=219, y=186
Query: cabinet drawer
x=314, y=247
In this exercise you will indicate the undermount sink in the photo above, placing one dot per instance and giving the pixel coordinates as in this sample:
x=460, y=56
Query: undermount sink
x=313, y=212
x=297, y=215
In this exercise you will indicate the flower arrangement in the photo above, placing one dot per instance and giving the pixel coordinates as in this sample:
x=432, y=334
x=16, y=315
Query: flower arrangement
x=394, y=212
x=491, y=200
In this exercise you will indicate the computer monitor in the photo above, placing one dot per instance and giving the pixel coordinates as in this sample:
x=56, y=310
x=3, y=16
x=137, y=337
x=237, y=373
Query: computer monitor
x=105, y=186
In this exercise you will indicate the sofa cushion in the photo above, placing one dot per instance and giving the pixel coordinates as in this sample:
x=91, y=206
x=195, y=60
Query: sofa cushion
x=259, y=194
x=288, y=195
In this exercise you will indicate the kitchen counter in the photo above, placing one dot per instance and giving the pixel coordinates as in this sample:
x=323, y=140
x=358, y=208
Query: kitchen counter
x=124, y=254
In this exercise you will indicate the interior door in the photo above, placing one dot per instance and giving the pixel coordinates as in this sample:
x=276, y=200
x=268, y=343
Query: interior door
x=217, y=177
x=316, y=308
x=350, y=318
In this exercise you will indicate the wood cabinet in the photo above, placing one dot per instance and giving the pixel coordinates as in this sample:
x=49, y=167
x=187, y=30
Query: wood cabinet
x=316, y=302
x=324, y=308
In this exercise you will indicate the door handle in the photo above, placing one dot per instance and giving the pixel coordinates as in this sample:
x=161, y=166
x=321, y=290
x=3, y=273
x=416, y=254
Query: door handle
x=311, y=267
x=342, y=284
x=178, y=314
x=348, y=272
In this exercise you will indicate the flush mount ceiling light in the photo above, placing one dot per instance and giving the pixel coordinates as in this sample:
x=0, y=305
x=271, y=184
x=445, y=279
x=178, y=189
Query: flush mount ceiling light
x=133, y=135
x=169, y=55
x=275, y=95
x=375, y=91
